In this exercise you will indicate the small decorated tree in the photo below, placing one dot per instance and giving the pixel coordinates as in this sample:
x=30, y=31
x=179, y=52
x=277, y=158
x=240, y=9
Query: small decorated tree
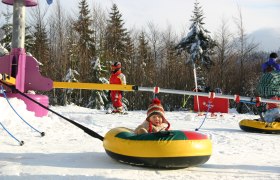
x=198, y=44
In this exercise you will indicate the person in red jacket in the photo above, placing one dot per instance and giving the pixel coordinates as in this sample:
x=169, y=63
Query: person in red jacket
x=117, y=77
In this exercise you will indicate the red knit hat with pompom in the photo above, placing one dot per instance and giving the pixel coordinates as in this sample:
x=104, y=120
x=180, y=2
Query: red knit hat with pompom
x=156, y=108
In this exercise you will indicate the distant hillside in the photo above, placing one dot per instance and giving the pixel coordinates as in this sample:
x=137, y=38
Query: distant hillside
x=268, y=39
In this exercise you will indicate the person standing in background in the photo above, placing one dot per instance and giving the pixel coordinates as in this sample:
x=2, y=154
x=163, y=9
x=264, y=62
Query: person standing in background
x=117, y=77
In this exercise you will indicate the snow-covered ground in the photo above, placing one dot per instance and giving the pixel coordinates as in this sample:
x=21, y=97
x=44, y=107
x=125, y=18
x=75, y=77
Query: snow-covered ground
x=66, y=152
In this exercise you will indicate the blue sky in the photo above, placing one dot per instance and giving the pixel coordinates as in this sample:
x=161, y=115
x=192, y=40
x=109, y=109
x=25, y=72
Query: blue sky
x=177, y=13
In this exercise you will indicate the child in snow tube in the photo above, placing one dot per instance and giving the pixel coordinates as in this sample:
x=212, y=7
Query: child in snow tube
x=151, y=144
x=155, y=120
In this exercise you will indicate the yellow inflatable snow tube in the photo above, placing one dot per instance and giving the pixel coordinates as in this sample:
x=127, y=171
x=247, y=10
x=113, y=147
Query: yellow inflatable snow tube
x=166, y=149
x=257, y=126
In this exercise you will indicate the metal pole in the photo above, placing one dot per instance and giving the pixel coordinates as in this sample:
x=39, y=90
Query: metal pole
x=173, y=91
x=96, y=86
x=196, y=89
x=18, y=36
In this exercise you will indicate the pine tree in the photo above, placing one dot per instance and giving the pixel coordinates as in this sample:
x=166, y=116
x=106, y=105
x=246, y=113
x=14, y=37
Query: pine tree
x=98, y=99
x=7, y=30
x=198, y=42
x=40, y=48
x=116, y=37
x=199, y=45
x=86, y=42
x=68, y=94
x=71, y=95
x=143, y=69
x=129, y=53
x=85, y=48
x=144, y=61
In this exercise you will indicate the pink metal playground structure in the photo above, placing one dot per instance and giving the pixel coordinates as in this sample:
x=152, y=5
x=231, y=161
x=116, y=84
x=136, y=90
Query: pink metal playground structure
x=22, y=67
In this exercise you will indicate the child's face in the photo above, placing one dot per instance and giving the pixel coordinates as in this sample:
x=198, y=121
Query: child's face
x=156, y=119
